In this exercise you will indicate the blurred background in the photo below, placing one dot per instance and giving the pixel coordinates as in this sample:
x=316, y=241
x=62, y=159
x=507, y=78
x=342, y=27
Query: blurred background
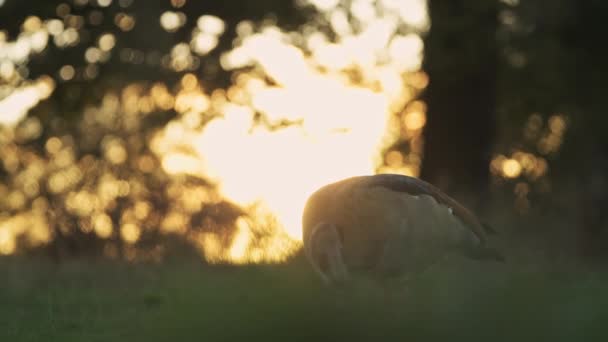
x=128, y=129
x=134, y=131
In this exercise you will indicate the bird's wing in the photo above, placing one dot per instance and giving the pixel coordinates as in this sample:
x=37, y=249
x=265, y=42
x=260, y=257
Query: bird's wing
x=416, y=187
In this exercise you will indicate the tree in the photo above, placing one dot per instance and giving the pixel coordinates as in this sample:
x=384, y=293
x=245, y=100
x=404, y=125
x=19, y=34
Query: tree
x=134, y=65
x=461, y=61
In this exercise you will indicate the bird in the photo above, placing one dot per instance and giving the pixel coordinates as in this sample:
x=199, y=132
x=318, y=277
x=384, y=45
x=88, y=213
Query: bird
x=387, y=226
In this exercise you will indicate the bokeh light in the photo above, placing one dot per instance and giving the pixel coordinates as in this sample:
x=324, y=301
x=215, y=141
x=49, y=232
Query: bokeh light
x=524, y=167
x=226, y=168
x=305, y=108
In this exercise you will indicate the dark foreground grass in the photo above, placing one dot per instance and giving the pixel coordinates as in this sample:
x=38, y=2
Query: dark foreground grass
x=187, y=301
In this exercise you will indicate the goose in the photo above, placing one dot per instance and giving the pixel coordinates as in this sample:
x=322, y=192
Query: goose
x=387, y=226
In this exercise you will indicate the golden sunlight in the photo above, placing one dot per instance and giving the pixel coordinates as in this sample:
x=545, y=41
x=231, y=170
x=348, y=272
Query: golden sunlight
x=172, y=21
x=274, y=143
x=546, y=135
x=7, y=241
x=511, y=168
x=15, y=106
x=304, y=109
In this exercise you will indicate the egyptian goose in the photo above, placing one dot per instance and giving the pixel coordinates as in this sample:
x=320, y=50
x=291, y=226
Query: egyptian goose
x=387, y=225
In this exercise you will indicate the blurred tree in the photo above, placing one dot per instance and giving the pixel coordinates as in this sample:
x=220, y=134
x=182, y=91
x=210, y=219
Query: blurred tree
x=135, y=61
x=146, y=34
x=585, y=158
x=461, y=60
x=553, y=62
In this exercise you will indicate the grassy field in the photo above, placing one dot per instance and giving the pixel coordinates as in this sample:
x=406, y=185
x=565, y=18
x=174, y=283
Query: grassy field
x=188, y=301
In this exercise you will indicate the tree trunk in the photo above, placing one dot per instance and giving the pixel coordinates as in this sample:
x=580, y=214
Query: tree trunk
x=461, y=61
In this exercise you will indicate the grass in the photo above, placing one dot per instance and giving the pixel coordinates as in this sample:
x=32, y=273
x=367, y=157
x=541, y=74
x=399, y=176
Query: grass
x=187, y=301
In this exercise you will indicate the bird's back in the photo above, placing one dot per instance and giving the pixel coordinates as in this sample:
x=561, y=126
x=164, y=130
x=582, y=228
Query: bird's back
x=383, y=227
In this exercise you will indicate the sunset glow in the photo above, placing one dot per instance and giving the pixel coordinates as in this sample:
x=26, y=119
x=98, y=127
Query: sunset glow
x=303, y=110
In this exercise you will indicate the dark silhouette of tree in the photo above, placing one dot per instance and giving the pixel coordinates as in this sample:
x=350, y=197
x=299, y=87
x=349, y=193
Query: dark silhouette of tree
x=147, y=35
x=585, y=158
x=552, y=62
x=461, y=61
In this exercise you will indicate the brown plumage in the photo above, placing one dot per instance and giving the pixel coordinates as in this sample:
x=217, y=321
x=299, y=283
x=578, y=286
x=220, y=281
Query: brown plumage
x=387, y=225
